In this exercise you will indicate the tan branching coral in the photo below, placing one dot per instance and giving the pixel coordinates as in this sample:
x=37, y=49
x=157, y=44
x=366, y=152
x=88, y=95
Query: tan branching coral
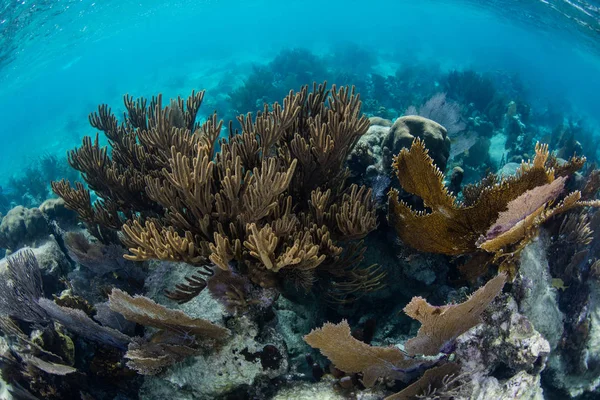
x=576, y=229
x=353, y=356
x=447, y=226
x=272, y=198
x=441, y=325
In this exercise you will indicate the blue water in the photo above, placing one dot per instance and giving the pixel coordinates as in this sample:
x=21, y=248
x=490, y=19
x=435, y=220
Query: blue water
x=59, y=59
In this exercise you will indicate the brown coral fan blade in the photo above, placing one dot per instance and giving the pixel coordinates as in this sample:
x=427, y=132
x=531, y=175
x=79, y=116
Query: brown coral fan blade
x=77, y=321
x=352, y=356
x=418, y=175
x=529, y=203
x=144, y=311
x=49, y=367
x=432, y=379
x=451, y=228
x=150, y=358
x=441, y=325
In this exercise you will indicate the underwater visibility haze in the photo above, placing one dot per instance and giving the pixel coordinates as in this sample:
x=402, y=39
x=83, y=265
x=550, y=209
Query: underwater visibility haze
x=300, y=199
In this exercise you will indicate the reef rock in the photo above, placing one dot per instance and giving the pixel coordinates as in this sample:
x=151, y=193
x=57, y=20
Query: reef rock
x=55, y=210
x=538, y=299
x=237, y=366
x=23, y=227
x=505, y=347
x=293, y=322
x=575, y=380
x=368, y=153
x=407, y=128
x=165, y=275
x=53, y=263
x=378, y=121
x=251, y=355
x=522, y=386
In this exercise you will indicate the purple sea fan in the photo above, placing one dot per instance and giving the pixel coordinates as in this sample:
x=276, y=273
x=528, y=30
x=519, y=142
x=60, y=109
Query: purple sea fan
x=525, y=205
x=462, y=143
x=21, y=287
x=445, y=113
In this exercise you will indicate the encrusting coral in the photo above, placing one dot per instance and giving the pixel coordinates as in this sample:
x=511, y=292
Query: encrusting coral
x=271, y=201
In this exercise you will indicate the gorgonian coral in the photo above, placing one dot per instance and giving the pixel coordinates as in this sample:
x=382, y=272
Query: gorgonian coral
x=271, y=200
x=448, y=226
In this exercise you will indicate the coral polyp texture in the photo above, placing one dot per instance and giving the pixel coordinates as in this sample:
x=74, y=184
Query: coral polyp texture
x=270, y=201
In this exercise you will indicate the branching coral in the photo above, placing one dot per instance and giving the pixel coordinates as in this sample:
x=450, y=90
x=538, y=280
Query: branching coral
x=272, y=199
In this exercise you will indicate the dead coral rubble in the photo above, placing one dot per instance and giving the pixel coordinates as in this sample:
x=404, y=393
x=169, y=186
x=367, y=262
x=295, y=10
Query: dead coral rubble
x=271, y=200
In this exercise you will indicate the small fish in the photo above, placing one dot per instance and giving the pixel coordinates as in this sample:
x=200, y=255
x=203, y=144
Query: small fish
x=559, y=284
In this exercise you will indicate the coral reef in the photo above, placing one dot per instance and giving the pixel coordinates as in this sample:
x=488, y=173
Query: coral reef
x=236, y=364
x=440, y=327
x=191, y=260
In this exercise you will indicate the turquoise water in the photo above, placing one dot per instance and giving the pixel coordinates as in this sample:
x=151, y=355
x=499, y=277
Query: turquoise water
x=59, y=59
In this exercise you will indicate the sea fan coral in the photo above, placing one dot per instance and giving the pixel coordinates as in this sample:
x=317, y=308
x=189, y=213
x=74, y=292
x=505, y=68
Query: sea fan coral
x=447, y=226
x=351, y=355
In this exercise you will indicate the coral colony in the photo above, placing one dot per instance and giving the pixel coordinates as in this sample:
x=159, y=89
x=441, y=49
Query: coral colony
x=319, y=242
